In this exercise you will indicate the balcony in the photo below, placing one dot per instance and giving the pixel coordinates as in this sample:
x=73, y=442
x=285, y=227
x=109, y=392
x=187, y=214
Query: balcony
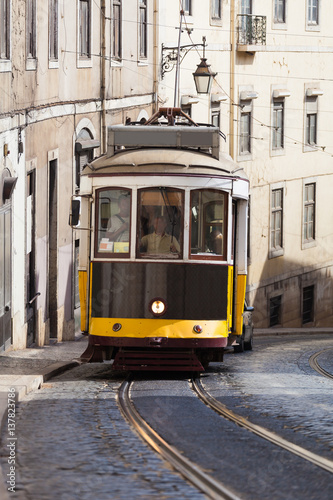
x=251, y=30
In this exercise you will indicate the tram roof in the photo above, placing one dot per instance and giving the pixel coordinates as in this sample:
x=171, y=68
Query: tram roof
x=162, y=160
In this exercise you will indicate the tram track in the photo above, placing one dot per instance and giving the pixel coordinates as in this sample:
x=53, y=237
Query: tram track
x=313, y=362
x=192, y=472
x=262, y=432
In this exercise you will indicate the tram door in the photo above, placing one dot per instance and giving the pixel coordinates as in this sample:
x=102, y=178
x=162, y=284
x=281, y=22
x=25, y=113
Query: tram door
x=5, y=276
x=30, y=261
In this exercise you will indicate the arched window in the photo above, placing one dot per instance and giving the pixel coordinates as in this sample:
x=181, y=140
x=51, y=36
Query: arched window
x=84, y=152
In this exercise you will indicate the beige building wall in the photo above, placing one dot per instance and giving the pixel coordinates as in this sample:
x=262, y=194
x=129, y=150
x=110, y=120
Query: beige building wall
x=47, y=99
x=293, y=57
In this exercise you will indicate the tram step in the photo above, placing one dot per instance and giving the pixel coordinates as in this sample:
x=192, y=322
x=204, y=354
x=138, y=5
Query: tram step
x=135, y=360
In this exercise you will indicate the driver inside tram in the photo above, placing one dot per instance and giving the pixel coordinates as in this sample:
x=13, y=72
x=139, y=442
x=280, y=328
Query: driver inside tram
x=159, y=241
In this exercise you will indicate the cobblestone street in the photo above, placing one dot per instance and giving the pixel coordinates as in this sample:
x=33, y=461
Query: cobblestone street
x=73, y=442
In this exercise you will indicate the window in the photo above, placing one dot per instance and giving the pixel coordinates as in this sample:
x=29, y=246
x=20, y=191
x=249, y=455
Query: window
x=308, y=304
x=278, y=125
x=279, y=11
x=309, y=212
x=311, y=121
x=113, y=221
x=84, y=152
x=216, y=116
x=313, y=14
x=276, y=219
x=53, y=30
x=216, y=9
x=160, y=223
x=275, y=310
x=187, y=6
x=245, y=132
x=84, y=29
x=31, y=29
x=116, y=30
x=4, y=29
x=143, y=27
x=208, y=224
x=311, y=129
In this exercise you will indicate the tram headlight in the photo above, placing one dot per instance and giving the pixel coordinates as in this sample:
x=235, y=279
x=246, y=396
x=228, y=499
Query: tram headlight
x=158, y=307
x=198, y=328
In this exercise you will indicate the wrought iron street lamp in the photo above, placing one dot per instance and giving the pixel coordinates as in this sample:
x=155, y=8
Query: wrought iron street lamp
x=174, y=56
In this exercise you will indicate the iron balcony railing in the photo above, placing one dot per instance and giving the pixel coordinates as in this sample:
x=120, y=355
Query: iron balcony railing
x=251, y=29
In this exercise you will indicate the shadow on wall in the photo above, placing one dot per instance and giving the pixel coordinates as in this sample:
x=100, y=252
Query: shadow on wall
x=299, y=297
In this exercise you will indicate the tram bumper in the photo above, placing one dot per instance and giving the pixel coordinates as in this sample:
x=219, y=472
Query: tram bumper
x=155, y=353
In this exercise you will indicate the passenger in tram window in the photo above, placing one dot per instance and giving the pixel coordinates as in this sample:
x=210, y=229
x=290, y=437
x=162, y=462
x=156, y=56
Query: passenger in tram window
x=159, y=241
x=118, y=226
x=215, y=242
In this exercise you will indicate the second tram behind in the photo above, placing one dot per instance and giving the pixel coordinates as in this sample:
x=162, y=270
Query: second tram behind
x=163, y=248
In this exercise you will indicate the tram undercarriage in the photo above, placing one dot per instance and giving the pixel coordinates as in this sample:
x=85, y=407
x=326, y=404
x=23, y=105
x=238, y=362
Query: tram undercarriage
x=155, y=353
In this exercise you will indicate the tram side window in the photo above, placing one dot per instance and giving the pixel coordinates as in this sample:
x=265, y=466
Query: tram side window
x=160, y=223
x=208, y=224
x=113, y=222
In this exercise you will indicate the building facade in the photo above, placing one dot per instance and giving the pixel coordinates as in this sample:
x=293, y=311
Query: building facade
x=67, y=71
x=70, y=69
x=271, y=99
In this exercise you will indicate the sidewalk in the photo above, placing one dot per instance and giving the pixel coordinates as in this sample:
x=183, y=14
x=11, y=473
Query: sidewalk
x=25, y=370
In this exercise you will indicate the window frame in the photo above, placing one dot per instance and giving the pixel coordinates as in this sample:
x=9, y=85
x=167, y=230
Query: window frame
x=111, y=255
x=312, y=22
x=277, y=19
x=31, y=37
x=309, y=242
x=276, y=250
x=144, y=255
x=207, y=255
x=310, y=112
x=5, y=35
x=187, y=7
x=143, y=30
x=215, y=111
x=308, y=287
x=84, y=59
x=278, y=298
x=278, y=127
x=116, y=41
x=216, y=12
x=245, y=142
x=53, y=33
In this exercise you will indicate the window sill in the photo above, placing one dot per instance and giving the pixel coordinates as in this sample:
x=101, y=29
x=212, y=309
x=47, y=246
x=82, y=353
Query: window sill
x=276, y=253
x=84, y=63
x=308, y=244
x=5, y=65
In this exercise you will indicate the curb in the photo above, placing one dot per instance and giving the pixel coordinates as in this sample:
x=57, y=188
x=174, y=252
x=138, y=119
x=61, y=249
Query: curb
x=272, y=332
x=23, y=386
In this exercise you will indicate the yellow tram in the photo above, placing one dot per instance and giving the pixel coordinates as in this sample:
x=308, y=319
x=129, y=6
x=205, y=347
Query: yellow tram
x=163, y=247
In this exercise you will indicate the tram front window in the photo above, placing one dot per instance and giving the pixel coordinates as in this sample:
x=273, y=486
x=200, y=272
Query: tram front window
x=113, y=221
x=160, y=223
x=208, y=224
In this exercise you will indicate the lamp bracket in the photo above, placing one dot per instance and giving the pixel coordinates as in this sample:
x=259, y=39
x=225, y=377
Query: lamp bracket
x=169, y=56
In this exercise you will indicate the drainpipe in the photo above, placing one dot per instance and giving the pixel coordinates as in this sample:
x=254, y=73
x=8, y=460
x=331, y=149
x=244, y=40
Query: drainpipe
x=232, y=80
x=103, y=78
x=155, y=56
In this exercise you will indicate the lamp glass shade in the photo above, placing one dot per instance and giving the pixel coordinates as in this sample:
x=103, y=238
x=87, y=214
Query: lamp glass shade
x=203, y=78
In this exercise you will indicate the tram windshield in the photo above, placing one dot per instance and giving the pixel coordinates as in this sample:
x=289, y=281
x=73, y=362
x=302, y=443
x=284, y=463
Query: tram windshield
x=113, y=221
x=160, y=223
x=208, y=224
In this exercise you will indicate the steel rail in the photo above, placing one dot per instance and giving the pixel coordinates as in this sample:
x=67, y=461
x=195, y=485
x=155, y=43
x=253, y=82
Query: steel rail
x=192, y=472
x=316, y=366
x=221, y=409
